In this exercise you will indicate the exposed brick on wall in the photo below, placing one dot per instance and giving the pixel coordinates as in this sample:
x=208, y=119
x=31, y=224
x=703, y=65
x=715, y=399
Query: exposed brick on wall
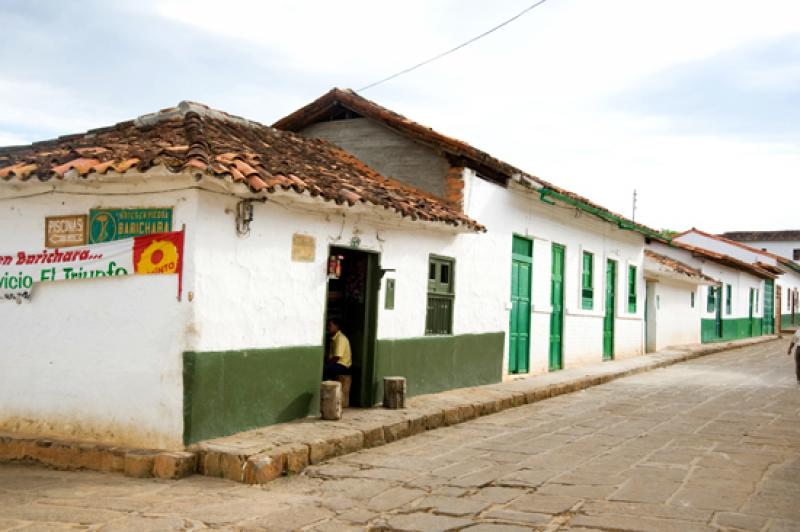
x=454, y=186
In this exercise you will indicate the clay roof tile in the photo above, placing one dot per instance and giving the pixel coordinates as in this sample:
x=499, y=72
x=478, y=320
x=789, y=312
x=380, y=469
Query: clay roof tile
x=200, y=140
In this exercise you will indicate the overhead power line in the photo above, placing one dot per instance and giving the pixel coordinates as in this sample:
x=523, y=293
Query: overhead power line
x=450, y=51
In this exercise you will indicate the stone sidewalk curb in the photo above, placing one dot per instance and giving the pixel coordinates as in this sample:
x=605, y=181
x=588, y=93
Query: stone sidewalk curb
x=261, y=455
x=74, y=455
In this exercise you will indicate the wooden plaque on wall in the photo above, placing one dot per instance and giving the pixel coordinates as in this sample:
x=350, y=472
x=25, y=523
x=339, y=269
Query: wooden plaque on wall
x=303, y=248
x=65, y=231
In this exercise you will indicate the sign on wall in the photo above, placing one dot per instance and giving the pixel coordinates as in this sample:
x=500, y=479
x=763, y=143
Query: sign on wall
x=151, y=254
x=106, y=225
x=302, y=248
x=65, y=231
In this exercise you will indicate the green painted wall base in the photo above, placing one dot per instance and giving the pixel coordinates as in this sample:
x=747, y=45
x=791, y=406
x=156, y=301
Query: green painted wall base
x=434, y=363
x=732, y=329
x=225, y=392
x=786, y=320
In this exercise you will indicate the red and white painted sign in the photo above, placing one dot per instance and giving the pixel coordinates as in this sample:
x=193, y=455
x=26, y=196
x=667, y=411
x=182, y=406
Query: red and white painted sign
x=160, y=253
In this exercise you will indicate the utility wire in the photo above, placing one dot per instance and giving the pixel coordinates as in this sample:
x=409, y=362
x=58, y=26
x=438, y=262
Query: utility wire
x=450, y=51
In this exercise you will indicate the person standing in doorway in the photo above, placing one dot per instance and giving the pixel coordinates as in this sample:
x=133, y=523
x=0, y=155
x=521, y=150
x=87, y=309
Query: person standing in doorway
x=794, y=346
x=340, y=357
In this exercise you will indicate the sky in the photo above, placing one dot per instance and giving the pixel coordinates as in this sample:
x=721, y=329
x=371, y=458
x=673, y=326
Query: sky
x=695, y=104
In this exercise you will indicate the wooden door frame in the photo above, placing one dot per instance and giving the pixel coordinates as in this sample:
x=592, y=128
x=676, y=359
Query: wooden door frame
x=369, y=345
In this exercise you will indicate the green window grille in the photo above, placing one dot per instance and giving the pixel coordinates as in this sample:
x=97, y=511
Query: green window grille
x=632, y=289
x=711, y=302
x=587, y=281
x=441, y=293
x=728, y=299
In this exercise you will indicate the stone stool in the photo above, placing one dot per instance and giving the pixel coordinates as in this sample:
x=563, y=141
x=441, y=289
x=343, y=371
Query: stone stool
x=346, y=381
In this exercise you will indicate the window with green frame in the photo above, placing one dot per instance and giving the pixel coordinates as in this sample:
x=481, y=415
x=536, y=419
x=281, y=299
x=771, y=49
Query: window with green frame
x=587, y=281
x=711, y=302
x=632, y=289
x=692, y=299
x=441, y=293
x=728, y=300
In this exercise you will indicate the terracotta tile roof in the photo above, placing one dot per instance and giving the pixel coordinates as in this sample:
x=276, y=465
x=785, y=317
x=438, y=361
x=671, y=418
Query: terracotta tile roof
x=729, y=241
x=459, y=153
x=788, y=263
x=762, y=236
x=725, y=260
x=679, y=267
x=331, y=103
x=193, y=138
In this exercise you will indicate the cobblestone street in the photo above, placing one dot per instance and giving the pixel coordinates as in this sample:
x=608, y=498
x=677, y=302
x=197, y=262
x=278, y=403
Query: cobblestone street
x=710, y=444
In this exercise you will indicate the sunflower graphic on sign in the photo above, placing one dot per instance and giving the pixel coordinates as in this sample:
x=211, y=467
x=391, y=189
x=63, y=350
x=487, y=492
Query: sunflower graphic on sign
x=160, y=253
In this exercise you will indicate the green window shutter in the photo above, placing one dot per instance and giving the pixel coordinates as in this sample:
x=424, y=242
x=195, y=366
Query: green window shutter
x=710, y=302
x=692, y=298
x=587, y=281
x=632, y=289
x=441, y=293
x=728, y=297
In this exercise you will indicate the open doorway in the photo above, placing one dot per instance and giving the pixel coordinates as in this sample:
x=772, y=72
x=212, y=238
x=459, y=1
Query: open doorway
x=352, y=298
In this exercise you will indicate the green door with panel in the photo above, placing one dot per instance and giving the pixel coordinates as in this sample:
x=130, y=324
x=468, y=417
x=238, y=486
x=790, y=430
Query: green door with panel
x=769, y=307
x=750, y=322
x=718, y=317
x=608, y=318
x=519, y=336
x=557, y=304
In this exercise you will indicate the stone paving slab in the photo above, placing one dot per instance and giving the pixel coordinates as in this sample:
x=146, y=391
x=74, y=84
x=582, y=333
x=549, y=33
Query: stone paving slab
x=366, y=428
x=463, y=476
x=261, y=455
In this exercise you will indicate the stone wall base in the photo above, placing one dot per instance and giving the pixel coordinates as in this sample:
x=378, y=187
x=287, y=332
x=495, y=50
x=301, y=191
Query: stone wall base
x=73, y=455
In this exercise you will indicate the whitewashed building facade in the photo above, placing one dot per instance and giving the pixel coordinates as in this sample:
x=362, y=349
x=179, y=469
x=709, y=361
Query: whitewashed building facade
x=566, y=275
x=776, y=299
x=127, y=361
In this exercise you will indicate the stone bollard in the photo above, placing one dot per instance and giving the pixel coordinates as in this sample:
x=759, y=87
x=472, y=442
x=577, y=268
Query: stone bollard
x=330, y=400
x=394, y=392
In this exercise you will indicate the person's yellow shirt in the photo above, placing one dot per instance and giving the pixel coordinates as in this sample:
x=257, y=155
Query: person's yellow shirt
x=340, y=347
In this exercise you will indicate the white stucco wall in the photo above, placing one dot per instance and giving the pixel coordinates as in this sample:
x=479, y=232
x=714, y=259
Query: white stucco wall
x=675, y=321
x=94, y=359
x=740, y=282
x=788, y=282
x=509, y=211
x=790, y=279
x=696, y=239
x=784, y=249
x=268, y=300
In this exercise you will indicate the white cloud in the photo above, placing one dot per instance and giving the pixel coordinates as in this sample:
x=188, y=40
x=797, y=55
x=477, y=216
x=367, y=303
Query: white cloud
x=38, y=106
x=8, y=138
x=535, y=93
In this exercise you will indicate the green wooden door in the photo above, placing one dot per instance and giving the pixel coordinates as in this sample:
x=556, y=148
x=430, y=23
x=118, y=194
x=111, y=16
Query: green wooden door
x=769, y=307
x=520, y=324
x=557, y=304
x=718, y=324
x=750, y=321
x=608, y=318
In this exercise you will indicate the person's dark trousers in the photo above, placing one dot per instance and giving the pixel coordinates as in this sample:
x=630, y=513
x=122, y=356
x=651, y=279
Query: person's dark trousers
x=331, y=370
x=797, y=362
